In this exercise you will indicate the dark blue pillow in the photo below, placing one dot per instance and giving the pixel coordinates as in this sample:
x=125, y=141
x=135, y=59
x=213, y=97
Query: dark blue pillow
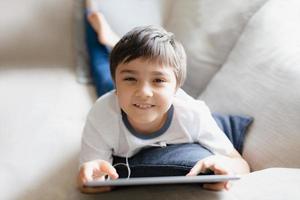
x=235, y=127
x=178, y=159
x=172, y=160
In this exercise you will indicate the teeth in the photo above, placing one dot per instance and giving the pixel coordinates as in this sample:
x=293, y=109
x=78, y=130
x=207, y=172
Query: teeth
x=143, y=106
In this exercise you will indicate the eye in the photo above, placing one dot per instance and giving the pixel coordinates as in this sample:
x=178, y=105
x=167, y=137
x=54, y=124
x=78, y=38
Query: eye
x=129, y=79
x=159, y=80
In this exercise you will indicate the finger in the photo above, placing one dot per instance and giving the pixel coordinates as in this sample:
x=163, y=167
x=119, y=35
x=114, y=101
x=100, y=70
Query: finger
x=200, y=167
x=87, y=173
x=220, y=170
x=228, y=185
x=91, y=171
x=214, y=186
x=207, y=165
x=95, y=189
x=81, y=180
x=98, y=174
x=196, y=169
x=108, y=169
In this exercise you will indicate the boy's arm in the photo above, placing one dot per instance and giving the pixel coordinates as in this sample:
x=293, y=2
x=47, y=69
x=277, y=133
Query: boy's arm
x=95, y=156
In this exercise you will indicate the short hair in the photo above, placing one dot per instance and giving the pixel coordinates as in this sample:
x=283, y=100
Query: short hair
x=150, y=43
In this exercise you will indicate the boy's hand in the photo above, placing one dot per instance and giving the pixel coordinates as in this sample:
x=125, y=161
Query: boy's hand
x=95, y=170
x=219, y=165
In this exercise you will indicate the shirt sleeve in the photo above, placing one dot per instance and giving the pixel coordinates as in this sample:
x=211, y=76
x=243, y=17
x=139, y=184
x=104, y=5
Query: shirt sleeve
x=93, y=145
x=210, y=135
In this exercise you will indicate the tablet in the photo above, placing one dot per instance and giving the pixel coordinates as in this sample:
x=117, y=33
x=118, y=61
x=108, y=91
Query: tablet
x=162, y=180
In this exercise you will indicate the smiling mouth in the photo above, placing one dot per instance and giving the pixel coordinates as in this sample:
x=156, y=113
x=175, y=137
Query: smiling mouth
x=143, y=106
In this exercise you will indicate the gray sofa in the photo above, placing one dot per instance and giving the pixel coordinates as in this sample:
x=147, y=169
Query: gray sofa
x=243, y=59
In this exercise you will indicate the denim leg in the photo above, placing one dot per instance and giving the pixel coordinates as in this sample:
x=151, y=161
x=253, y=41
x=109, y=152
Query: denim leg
x=99, y=61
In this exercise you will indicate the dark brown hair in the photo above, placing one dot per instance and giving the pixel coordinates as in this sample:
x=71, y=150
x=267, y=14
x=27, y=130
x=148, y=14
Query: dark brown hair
x=153, y=44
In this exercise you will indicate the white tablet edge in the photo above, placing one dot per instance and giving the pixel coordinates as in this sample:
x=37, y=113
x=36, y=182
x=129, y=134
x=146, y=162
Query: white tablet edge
x=162, y=180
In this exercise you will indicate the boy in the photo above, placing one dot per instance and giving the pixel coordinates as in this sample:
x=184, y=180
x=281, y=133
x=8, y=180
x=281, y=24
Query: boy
x=148, y=67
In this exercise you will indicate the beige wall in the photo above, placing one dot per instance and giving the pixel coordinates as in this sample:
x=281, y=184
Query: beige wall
x=36, y=31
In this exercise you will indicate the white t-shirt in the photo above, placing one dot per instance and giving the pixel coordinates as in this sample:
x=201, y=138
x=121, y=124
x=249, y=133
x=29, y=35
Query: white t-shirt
x=107, y=131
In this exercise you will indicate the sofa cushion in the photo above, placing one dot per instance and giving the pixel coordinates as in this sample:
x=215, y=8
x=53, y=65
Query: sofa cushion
x=127, y=14
x=82, y=64
x=208, y=30
x=178, y=159
x=268, y=184
x=261, y=78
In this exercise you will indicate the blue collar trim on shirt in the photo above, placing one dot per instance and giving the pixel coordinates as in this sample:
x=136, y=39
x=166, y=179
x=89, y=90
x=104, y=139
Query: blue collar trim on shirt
x=151, y=135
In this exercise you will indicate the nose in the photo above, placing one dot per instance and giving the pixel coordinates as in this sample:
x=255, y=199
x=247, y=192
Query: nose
x=144, y=90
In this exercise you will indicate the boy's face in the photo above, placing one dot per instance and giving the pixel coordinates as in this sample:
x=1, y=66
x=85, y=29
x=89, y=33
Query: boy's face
x=145, y=91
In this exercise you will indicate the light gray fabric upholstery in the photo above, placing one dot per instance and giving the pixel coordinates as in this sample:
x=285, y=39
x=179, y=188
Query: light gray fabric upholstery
x=208, y=30
x=261, y=78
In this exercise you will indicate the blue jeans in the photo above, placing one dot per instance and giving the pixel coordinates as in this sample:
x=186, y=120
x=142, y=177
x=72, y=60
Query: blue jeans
x=99, y=61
